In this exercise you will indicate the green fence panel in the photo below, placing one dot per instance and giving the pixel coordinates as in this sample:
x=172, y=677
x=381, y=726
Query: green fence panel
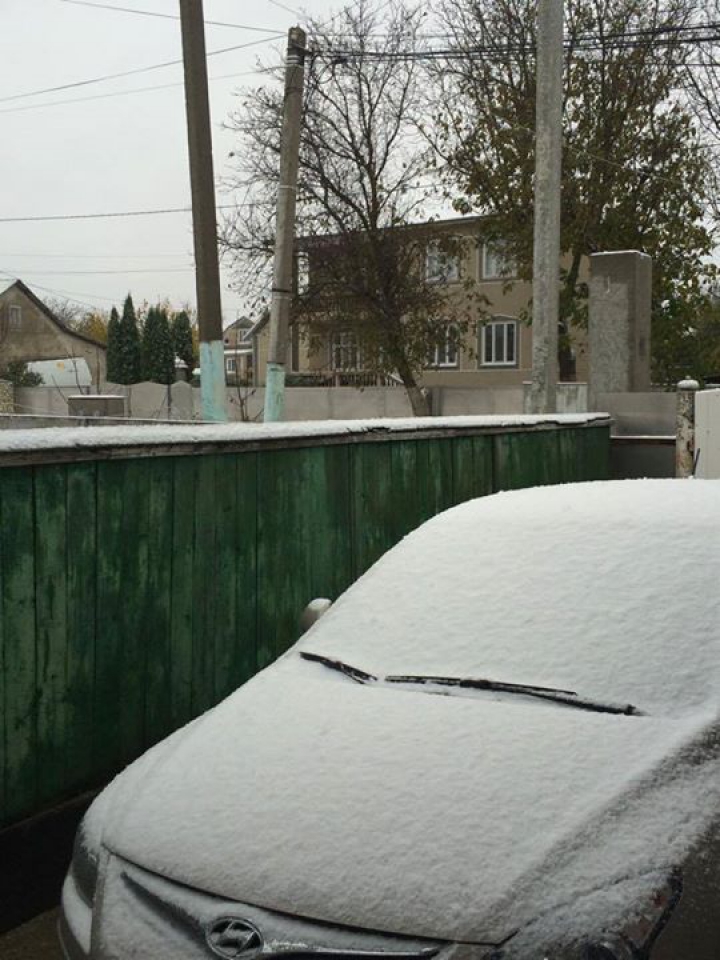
x=184, y=519
x=18, y=632
x=157, y=624
x=51, y=629
x=137, y=593
x=81, y=556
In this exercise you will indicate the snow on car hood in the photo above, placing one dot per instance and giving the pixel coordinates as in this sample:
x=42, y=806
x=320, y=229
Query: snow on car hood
x=405, y=812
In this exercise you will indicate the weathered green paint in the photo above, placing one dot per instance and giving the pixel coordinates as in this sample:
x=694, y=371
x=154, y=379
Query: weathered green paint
x=81, y=554
x=51, y=629
x=136, y=593
x=22, y=695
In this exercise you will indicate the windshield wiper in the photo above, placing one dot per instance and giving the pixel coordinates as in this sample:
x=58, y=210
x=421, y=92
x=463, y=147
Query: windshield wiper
x=359, y=676
x=569, y=697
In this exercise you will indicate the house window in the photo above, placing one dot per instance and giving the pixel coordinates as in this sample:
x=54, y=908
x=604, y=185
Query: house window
x=14, y=317
x=231, y=365
x=302, y=275
x=441, y=266
x=345, y=353
x=446, y=350
x=499, y=344
x=497, y=264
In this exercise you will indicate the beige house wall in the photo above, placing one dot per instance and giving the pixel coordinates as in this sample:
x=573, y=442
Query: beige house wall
x=508, y=298
x=32, y=335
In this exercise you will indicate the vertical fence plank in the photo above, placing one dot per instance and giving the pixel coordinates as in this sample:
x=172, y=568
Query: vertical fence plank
x=372, y=502
x=134, y=587
x=525, y=459
x=327, y=519
x=593, y=452
x=435, y=472
x=156, y=622
x=51, y=629
x=227, y=560
x=18, y=578
x=122, y=586
x=205, y=584
x=472, y=467
x=245, y=661
x=185, y=476
x=4, y=670
x=81, y=615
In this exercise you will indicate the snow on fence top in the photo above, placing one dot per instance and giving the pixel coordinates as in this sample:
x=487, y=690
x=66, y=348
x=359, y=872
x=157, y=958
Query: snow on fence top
x=68, y=443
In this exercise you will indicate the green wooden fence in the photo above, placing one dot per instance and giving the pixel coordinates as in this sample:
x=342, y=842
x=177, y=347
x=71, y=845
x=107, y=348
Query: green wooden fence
x=138, y=587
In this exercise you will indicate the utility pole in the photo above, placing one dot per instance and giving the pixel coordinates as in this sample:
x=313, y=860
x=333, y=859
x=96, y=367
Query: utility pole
x=202, y=183
x=546, y=245
x=285, y=226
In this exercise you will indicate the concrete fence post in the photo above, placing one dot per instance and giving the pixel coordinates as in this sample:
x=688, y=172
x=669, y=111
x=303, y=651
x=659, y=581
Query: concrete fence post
x=685, y=428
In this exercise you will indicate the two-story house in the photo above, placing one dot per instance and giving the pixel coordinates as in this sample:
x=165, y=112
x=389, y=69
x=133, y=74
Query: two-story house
x=494, y=350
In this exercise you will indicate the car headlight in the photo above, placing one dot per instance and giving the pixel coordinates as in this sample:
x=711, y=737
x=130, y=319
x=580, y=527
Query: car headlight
x=635, y=942
x=84, y=864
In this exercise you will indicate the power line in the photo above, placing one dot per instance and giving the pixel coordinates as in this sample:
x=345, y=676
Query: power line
x=166, y=16
x=113, y=215
x=123, y=93
x=67, y=273
x=282, y=6
x=93, y=256
x=136, y=70
x=69, y=294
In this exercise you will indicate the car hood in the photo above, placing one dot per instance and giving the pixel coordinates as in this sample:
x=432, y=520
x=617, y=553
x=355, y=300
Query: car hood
x=405, y=812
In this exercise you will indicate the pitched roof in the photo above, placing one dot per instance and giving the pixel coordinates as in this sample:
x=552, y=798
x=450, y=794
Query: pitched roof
x=47, y=312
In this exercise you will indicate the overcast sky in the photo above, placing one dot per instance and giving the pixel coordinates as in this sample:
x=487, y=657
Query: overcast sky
x=115, y=153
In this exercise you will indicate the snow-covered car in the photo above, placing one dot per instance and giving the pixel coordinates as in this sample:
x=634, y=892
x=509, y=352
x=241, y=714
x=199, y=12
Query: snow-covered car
x=503, y=741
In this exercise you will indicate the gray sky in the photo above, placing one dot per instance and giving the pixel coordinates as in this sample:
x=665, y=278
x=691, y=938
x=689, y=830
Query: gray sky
x=117, y=153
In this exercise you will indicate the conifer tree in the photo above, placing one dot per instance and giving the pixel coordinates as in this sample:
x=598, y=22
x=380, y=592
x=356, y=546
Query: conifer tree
x=114, y=367
x=158, y=356
x=128, y=353
x=183, y=340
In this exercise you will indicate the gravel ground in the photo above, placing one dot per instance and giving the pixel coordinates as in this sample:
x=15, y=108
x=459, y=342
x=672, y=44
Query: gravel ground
x=35, y=940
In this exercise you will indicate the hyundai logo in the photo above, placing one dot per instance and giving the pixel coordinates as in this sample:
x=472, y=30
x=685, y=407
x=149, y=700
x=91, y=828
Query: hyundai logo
x=233, y=938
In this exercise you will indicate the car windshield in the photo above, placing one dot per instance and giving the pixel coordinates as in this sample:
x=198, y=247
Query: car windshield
x=607, y=590
x=448, y=685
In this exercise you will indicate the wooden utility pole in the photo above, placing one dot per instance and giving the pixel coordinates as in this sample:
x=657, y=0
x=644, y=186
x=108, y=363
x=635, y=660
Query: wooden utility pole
x=546, y=244
x=285, y=226
x=202, y=182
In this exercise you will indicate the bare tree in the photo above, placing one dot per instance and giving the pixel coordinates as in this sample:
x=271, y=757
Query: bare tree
x=361, y=195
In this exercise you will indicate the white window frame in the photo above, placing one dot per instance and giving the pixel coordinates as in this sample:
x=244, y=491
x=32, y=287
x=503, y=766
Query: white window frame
x=488, y=337
x=14, y=316
x=448, y=347
x=302, y=268
x=441, y=267
x=490, y=252
x=345, y=347
x=231, y=365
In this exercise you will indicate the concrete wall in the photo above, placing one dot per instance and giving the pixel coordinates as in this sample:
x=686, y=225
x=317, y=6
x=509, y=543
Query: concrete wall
x=649, y=413
x=149, y=401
